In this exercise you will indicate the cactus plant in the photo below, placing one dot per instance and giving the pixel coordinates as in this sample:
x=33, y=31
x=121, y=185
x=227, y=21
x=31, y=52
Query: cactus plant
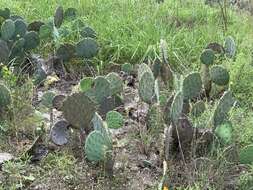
x=47, y=99
x=32, y=40
x=176, y=107
x=5, y=97
x=66, y=52
x=127, y=68
x=59, y=133
x=5, y=13
x=70, y=13
x=224, y=132
x=46, y=31
x=58, y=16
x=87, y=48
x=246, y=155
x=207, y=57
x=97, y=147
x=88, y=32
x=192, y=85
x=219, y=75
x=58, y=101
x=35, y=26
x=78, y=109
x=116, y=84
x=4, y=52
x=20, y=28
x=114, y=120
x=17, y=49
x=86, y=83
x=198, y=108
x=7, y=29
x=230, y=47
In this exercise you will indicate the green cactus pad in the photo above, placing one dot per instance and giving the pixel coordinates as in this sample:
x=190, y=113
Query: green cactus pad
x=7, y=29
x=20, y=28
x=207, y=57
x=176, y=107
x=58, y=16
x=116, y=83
x=70, y=13
x=221, y=112
x=96, y=147
x=66, y=52
x=246, y=155
x=17, y=49
x=86, y=83
x=58, y=101
x=16, y=17
x=88, y=32
x=5, y=97
x=198, y=108
x=32, y=40
x=114, y=120
x=216, y=47
x=127, y=68
x=59, y=133
x=35, y=26
x=230, y=47
x=5, y=13
x=146, y=83
x=78, y=109
x=219, y=75
x=192, y=85
x=47, y=99
x=87, y=48
x=225, y=132
x=39, y=76
x=4, y=52
x=46, y=31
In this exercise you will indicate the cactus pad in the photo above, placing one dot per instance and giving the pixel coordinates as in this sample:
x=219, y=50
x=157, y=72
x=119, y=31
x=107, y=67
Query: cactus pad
x=32, y=40
x=88, y=32
x=116, y=84
x=58, y=16
x=46, y=31
x=5, y=13
x=78, y=109
x=70, y=14
x=17, y=49
x=246, y=155
x=87, y=48
x=96, y=147
x=225, y=132
x=176, y=107
x=127, y=68
x=219, y=75
x=4, y=52
x=5, y=97
x=7, y=29
x=66, y=52
x=35, y=26
x=59, y=133
x=192, y=85
x=207, y=57
x=20, y=28
x=114, y=120
x=230, y=47
x=86, y=84
x=58, y=101
x=198, y=108
x=47, y=99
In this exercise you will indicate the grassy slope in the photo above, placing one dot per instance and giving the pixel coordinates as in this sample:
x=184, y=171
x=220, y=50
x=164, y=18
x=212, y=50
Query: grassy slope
x=127, y=29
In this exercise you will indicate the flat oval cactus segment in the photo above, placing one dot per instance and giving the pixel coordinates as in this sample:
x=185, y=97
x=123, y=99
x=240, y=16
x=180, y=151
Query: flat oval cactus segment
x=87, y=48
x=177, y=107
x=58, y=101
x=66, y=52
x=78, y=109
x=16, y=17
x=86, y=84
x=20, y=28
x=88, y=32
x=225, y=132
x=230, y=47
x=47, y=99
x=59, y=133
x=39, y=76
x=96, y=147
x=114, y=120
x=4, y=52
x=246, y=155
x=35, y=26
x=5, y=13
x=207, y=57
x=198, y=108
x=46, y=31
x=70, y=13
x=192, y=85
x=17, y=49
x=32, y=40
x=127, y=68
x=7, y=29
x=5, y=97
x=116, y=83
x=219, y=75
x=58, y=16
x=216, y=47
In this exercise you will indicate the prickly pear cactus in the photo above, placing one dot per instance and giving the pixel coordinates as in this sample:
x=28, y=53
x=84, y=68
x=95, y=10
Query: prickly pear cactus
x=192, y=85
x=207, y=57
x=176, y=107
x=58, y=17
x=116, y=83
x=114, y=120
x=88, y=32
x=146, y=83
x=46, y=31
x=20, y=28
x=224, y=132
x=32, y=40
x=86, y=83
x=87, y=48
x=66, y=52
x=70, y=13
x=221, y=112
x=219, y=75
x=230, y=47
x=206, y=79
x=5, y=97
x=59, y=133
x=96, y=147
x=35, y=26
x=5, y=13
x=78, y=109
x=4, y=52
x=198, y=108
x=47, y=99
x=127, y=68
x=246, y=155
x=17, y=49
x=7, y=29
